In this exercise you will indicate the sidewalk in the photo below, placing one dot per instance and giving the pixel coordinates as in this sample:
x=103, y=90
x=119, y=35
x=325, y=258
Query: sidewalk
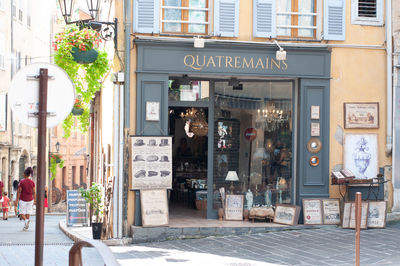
x=194, y=229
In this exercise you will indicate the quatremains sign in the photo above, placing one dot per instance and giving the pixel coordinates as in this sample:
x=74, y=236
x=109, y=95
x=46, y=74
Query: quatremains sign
x=198, y=62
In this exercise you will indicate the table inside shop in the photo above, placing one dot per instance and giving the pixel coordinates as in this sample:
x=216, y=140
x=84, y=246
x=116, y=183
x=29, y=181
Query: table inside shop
x=373, y=189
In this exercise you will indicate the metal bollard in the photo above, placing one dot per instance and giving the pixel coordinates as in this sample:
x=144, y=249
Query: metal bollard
x=358, y=225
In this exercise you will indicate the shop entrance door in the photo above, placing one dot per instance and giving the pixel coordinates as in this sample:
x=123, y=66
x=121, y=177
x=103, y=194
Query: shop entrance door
x=188, y=123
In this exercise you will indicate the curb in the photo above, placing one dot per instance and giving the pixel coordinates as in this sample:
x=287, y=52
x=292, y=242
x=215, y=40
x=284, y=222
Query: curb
x=78, y=237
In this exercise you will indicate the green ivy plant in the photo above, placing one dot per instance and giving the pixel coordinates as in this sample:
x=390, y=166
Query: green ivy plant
x=87, y=78
x=55, y=160
x=94, y=197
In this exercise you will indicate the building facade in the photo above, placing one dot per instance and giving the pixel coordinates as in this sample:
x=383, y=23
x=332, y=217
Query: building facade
x=21, y=22
x=232, y=103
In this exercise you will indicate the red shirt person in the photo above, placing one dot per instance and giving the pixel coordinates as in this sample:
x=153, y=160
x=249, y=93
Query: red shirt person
x=1, y=189
x=26, y=196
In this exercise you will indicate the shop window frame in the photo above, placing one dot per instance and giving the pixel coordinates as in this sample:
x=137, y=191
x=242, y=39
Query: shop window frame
x=294, y=21
x=185, y=22
x=211, y=212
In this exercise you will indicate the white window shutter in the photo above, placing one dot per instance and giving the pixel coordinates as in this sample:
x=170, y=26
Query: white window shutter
x=146, y=16
x=226, y=18
x=335, y=20
x=264, y=18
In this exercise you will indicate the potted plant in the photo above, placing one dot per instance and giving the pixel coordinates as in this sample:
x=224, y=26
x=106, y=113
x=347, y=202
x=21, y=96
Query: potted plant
x=94, y=197
x=55, y=160
x=78, y=107
x=87, y=77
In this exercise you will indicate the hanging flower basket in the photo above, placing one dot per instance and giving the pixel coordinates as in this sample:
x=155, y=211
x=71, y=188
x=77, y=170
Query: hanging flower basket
x=78, y=107
x=84, y=57
x=77, y=111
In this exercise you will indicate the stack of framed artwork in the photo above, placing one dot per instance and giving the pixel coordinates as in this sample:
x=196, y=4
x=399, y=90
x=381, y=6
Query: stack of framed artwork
x=373, y=214
x=327, y=211
x=321, y=211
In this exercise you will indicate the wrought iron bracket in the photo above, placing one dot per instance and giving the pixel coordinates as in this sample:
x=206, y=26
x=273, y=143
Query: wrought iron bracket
x=108, y=30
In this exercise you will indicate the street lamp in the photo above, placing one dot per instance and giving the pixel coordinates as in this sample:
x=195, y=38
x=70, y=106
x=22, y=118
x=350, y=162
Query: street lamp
x=108, y=30
x=66, y=9
x=58, y=146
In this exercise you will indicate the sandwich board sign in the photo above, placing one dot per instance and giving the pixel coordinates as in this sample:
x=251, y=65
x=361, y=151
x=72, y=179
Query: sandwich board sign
x=77, y=212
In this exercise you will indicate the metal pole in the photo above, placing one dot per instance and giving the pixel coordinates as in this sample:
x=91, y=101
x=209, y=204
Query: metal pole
x=249, y=168
x=49, y=179
x=41, y=178
x=358, y=225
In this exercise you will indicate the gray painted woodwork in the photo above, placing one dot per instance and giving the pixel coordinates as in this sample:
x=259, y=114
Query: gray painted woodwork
x=313, y=181
x=157, y=60
x=231, y=59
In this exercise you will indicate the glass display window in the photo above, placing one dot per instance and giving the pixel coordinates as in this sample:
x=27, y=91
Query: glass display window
x=253, y=137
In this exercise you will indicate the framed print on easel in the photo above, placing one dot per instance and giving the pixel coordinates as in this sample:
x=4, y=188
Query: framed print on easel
x=376, y=214
x=331, y=211
x=312, y=211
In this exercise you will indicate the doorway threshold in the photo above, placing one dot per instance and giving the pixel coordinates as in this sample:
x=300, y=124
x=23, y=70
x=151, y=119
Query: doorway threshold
x=194, y=224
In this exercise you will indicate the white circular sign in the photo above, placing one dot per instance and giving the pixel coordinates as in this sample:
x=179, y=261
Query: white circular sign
x=24, y=95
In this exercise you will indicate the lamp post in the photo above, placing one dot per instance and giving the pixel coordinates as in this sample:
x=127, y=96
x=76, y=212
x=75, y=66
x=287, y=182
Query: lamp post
x=58, y=146
x=107, y=30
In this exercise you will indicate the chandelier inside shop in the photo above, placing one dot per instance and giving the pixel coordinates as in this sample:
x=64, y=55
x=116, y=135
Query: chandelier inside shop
x=271, y=118
x=195, y=122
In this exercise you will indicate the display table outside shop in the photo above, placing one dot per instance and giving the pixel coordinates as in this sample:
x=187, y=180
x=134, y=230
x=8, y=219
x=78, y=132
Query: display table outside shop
x=371, y=189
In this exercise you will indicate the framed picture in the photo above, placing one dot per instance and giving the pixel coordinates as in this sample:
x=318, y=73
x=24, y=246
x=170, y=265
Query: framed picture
x=3, y=112
x=312, y=211
x=152, y=111
x=315, y=130
x=314, y=111
x=376, y=214
x=361, y=115
x=234, y=207
x=151, y=162
x=364, y=215
x=346, y=215
x=331, y=211
x=361, y=155
x=286, y=214
x=154, y=207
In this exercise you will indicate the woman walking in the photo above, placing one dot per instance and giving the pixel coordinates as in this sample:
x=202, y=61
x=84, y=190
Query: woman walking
x=26, y=196
x=14, y=196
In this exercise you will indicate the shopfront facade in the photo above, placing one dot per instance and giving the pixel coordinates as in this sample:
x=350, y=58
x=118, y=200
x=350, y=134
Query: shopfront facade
x=259, y=112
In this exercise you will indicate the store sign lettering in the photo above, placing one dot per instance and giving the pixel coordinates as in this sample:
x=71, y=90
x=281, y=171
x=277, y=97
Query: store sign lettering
x=197, y=62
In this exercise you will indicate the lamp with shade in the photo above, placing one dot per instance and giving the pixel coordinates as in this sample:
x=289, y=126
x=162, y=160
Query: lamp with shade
x=233, y=177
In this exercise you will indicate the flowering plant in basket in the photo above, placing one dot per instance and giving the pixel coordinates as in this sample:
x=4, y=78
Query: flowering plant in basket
x=88, y=76
x=55, y=160
x=83, y=39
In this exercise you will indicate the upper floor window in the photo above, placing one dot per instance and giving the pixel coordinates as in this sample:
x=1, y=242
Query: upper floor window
x=296, y=18
x=20, y=10
x=2, y=5
x=367, y=12
x=185, y=16
x=29, y=13
x=2, y=50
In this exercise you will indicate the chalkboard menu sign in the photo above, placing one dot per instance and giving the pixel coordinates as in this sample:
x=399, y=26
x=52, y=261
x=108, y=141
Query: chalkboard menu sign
x=77, y=213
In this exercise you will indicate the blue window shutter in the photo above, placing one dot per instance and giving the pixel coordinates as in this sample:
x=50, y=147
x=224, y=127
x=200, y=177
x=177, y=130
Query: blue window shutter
x=335, y=20
x=226, y=18
x=146, y=16
x=264, y=18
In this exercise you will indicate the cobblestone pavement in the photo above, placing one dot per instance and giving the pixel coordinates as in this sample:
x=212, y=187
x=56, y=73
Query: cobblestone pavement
x=18, y=247
x=327, y=246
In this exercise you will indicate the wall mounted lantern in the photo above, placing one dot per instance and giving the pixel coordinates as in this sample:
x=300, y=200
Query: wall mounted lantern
x=108, y=30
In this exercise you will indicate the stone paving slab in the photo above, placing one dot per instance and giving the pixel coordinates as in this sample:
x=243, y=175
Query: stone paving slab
x=303, y=247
